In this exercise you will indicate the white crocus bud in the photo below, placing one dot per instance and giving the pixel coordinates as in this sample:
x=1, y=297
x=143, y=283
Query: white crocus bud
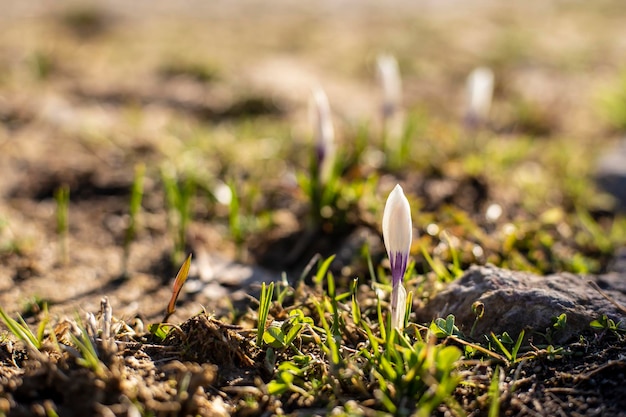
x=392, y=112
x=479, y=95
x=397, y=235
x=389, y=76
x=325, y=146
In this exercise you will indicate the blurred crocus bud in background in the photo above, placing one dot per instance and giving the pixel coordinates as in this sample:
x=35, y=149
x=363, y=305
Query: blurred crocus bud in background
x=397, y=235
x=391, y=83
x=325, y=146
x=389, y=76
x=480, y=84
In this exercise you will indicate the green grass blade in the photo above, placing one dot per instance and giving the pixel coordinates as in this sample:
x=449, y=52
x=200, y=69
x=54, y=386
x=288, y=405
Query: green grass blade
x=321, y=272
x=518, y=343
x=265, y=302
x=502, y=348
x=494, y=394
x=20, y=330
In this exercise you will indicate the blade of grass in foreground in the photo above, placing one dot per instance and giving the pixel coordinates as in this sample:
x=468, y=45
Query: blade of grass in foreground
x=21, y=330
x=494, y=394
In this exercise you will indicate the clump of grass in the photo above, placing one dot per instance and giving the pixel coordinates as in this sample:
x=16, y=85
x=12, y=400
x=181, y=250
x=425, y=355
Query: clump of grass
x=10, y=242
x=403, y=372
x=612, y=103
x=87, y=355
x=196, y=71
x=42, y=65
x=179, y=195
x=265, y=301
x=20, y=329
x=85, y=21
x=605, y=324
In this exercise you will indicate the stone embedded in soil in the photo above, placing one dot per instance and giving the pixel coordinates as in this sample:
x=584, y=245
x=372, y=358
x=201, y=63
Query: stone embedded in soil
x=519, y=300
x=611, y=174
x=219, y=278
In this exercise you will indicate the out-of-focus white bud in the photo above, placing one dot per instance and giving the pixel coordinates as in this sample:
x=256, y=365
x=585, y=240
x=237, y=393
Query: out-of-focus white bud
x=389, y=76
x=480, y=85
x=325, y=146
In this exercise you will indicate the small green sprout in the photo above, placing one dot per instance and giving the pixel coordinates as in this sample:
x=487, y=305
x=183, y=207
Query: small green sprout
x=89, y=357
x=136, y=196
x=20, y=329
x=62, y=198
x=437, y=266
x=179, y=196
x=422, y=372
x=356, y=311
x=444, y=327
x=494, y=394
x=478, y=308
x=282, y=335
x=605, y=324
x=558, y=325
x=505, y=339
x=283, y=289
x=323, y=270
x=331, y=342
x=265, y=302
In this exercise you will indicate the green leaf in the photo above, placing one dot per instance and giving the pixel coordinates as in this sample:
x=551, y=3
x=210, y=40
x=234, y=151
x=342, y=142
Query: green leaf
x=515, y=350
x=447, y=358
x=277, y=388
x=437, y=328
x=597, y=325
x=356, y=311
x=274, y=336
x=160, y=330
x=601, y=323
x=560, y=322
x=321, y=272
x=505, y=338
x=503, y=349
x=450, y=324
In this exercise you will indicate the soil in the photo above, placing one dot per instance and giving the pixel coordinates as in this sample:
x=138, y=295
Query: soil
x=84, y=97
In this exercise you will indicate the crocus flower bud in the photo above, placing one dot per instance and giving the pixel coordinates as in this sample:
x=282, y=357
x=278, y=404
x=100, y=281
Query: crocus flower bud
x=479, y=95
x=324, y=134
x=397, y=235
x=389, y=76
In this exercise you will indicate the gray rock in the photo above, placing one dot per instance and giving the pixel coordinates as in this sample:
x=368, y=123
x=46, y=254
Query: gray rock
x=611, y=174
x=518, y=300
x=216, y=277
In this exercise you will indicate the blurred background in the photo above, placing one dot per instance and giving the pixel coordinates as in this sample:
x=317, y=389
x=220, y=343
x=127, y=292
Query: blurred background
x=556, y=63
x=219, y=92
